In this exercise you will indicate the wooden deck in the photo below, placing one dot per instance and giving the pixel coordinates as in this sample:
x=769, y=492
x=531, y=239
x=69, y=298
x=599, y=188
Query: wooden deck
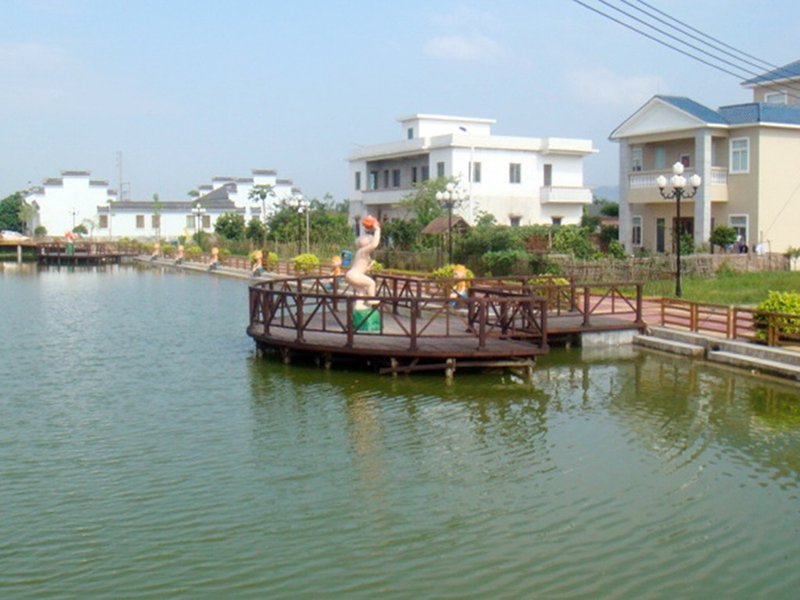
x=501, y=323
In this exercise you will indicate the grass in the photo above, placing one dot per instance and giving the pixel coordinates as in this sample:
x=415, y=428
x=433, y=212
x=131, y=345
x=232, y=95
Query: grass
x=728, y=288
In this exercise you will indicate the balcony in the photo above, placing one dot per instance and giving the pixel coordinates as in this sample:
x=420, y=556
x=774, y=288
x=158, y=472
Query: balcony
x=644, y=190
x=565, y=195
x=385, y=196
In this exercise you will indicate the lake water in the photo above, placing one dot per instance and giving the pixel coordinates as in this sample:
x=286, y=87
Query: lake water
x=146, y=452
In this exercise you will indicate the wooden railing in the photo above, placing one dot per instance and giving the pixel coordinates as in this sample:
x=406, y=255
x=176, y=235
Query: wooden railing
x=731, y=322
x=411, y=309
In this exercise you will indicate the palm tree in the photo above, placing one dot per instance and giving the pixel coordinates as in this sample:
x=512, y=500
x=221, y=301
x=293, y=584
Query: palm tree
x=262, y=192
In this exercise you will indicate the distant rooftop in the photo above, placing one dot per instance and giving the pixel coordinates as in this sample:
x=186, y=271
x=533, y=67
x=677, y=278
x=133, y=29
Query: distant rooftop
x=790, y=71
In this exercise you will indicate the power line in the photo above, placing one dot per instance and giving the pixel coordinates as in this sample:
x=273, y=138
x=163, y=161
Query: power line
x=680, y=50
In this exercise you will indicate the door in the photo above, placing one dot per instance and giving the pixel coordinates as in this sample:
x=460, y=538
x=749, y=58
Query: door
x=661, y=239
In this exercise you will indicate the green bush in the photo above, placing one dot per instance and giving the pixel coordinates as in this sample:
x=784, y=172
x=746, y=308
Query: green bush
x=722, y=236
x=616, y=250
x=446, y=272
x=778, y=302
x=270, y=261
x=505, y=262
x=193, y=252
x=305, y=263
x=40, y=231
x=574, y=240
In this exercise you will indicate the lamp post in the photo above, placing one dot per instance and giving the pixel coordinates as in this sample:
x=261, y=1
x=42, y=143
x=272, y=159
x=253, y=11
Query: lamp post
x=450, y=197
x=301, y=205
x=198, y=212
x=73, y=212
x=678, y=183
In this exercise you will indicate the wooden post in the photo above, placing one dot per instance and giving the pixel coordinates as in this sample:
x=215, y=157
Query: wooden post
x=587, y=302
x=414, y=314
x=298, y=304
x=639, y=291
x=350, y=332
x=482, y=326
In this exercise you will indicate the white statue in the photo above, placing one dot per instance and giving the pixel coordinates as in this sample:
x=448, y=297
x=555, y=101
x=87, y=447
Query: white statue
x=356, y=276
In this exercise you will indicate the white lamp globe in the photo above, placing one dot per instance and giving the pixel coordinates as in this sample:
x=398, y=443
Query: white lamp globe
x=677, y=168
x=661, y=181
x=450, y=186
x=695, y=180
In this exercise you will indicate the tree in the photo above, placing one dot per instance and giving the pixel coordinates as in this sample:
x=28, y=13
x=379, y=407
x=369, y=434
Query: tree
x=722, y=236
x=27, y=214
x=10, y=213
x=230, y=226
x=423, y=203
x=256, y=232
x=80, y=229
x=260, y=193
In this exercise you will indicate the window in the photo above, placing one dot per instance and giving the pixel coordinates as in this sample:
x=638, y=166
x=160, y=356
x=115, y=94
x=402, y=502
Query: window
x=685, y=160
x=413, y=174
x=636, y=230
x=439, y=169
x=557, y=220
x=155, y=221
x=103, y=222
x=739, y=223
x=386, y=178
x=514, y=173
x=775, y=98
x=395, y=177
x=514, y=220
x=548, y=175
x=206, y=221
x=410, y=133
x=740, y=155
x=660, y=158
x=139, y=221
x=661, y=234
x=373, y=180
x=358, y=180
x=636, y=158
x=191, y=222
x=476, y=172
x=425, y=173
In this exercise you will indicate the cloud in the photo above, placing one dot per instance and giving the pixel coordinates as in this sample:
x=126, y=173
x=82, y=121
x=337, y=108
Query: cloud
x=464, y=48
x=607, y=87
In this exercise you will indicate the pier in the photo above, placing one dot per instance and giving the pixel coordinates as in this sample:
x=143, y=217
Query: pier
x=503, y=322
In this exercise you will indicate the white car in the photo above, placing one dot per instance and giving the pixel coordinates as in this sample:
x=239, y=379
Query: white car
x=7, y=234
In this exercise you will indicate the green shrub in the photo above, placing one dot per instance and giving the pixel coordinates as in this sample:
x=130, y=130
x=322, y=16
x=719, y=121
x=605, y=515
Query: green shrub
x=778, y=302
x=722, y=236
x=376, y=267
x=446, y=272
x=505, y=262
x=193, y=252
x=574, y=240
x=305, y=263
x=270, y=261
x=40, y=231
x=548, y=281
x=616, y=250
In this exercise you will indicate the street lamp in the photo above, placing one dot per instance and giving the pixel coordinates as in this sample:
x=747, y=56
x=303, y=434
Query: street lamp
x=74, y=212
x=301, y=205
x=450, y=197
x=198, y=212
x=678, y=183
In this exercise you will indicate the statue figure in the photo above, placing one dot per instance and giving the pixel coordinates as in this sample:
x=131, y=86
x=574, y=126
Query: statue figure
x=459, y=290
x=256, y=268
x=214, y=258
x=179, y=259
x=356, y=276
x=156, y=251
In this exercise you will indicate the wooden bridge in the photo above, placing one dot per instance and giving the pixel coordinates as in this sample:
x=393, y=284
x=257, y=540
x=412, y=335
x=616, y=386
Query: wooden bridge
x=503, y=322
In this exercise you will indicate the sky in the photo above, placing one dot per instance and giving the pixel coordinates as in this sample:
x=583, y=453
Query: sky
x=189, y=90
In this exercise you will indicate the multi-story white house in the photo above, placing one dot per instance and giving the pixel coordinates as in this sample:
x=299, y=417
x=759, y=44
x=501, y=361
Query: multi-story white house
x=746, y=154
x=72, y=199
x=519, y=180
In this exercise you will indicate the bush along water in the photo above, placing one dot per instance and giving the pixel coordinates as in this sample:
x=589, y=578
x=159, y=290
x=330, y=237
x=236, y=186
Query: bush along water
x=787, y=303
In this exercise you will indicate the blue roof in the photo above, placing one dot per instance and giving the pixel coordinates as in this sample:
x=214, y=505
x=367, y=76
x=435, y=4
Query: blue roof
x=696, y=109
x=761, y=112
x=785, y=72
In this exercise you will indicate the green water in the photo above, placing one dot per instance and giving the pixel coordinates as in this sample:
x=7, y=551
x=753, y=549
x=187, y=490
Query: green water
x=146, y=452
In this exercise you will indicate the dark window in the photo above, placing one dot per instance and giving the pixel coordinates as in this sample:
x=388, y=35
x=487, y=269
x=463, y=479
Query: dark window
x=514, y=173
x=410, y=133
x=413, y=174
x=103, y=222
x=439, y=169
x=155, y=221
x=373, y=180
x=206, y=221
x=358, y=180
x=548, y=175
x=386, y=178
x=139, y=221
x=476, y=172
x=395, y=177
x=425, y=173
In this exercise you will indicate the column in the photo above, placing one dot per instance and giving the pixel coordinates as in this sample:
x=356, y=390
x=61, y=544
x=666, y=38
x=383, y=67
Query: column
x=702, y=201
x=624, y=187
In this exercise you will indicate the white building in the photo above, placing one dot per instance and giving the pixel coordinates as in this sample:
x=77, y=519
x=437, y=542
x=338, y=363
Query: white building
x=64, y=202
x=73, y=199
x=519, y=180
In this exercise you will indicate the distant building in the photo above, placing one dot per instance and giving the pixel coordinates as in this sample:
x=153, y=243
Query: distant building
x=73, y=199
x=64, y=202
x=746, y=154
x=519, y=180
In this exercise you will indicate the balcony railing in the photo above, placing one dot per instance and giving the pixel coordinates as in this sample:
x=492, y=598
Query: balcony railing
x=647, y=179
x=568, y=195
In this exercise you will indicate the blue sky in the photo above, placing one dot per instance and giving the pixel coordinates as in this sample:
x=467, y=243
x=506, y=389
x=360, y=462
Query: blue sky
x=187, y=90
